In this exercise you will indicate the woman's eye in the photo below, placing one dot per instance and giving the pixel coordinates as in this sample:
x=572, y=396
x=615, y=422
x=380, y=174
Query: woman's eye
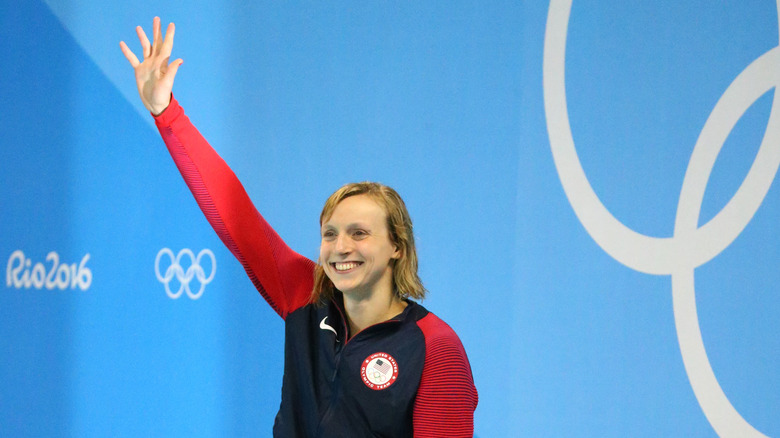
x=359, y=234
x=328, y=235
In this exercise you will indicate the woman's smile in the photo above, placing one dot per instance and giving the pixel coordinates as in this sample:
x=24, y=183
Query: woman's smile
x=345, y=267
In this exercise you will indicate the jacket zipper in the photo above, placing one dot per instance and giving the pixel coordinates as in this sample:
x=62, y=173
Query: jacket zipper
x=336, y=389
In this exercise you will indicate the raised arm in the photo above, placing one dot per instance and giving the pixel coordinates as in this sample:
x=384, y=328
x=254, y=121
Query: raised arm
x=282, y=276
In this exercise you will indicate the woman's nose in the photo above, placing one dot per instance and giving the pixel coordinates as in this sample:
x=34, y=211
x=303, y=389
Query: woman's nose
x=342, y=244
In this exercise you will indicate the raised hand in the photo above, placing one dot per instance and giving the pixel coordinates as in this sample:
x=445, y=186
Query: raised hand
x=154, y=76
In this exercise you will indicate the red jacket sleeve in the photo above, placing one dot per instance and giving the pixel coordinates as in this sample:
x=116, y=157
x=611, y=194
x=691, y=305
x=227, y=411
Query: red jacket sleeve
x=447, y=397
x=282, y=276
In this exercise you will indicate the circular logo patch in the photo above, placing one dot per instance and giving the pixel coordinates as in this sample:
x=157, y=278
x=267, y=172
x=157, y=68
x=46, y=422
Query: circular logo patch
x=379, y=371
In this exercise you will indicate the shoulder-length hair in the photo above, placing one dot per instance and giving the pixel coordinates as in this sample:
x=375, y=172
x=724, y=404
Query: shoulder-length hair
x=406, y=282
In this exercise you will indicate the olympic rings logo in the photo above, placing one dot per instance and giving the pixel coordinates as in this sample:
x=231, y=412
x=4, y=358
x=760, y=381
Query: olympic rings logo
x=184, y=277
x=691, y=245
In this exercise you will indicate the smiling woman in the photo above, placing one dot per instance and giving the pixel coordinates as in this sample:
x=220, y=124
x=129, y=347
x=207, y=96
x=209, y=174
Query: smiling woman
x=391, y=215
x=356, y=252
x=361, y=358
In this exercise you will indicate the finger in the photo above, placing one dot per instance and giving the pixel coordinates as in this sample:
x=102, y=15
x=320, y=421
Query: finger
x=170, y=75
x=156, y=35
x=168, y=41
x=129, y=54
x=145, y=46
x=173, y=67
x=169, y=70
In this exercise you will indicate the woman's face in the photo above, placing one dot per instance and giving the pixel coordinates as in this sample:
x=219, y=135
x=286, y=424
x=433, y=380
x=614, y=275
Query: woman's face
x=356, y=250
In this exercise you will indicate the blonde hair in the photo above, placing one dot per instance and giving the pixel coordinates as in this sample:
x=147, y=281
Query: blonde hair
x=406, y=282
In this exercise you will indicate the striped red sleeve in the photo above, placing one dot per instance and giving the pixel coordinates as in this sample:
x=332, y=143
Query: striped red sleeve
x=282, y=276
x=447, y=397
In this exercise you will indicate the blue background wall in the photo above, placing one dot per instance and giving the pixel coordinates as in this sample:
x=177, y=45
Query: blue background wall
x=443, y=101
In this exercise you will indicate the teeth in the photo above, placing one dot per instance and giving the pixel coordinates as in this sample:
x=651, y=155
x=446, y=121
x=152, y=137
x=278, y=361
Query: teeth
x=345, y=266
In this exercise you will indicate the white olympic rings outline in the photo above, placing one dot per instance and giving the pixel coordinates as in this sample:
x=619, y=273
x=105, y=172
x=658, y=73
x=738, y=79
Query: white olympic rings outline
x=691, y=246
x=195, y=270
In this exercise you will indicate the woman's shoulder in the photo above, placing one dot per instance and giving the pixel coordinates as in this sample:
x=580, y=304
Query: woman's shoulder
x=437, y=333
x=447, y=394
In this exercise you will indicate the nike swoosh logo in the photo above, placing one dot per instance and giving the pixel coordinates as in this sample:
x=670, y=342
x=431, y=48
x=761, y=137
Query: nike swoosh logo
x=327, y=327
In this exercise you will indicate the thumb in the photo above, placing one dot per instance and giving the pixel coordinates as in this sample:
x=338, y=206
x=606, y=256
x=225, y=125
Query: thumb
x=164, y=88
x=166, y=81
x=172, y=69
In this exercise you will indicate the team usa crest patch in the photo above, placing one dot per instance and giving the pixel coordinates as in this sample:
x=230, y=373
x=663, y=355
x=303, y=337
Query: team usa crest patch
x=379, y=371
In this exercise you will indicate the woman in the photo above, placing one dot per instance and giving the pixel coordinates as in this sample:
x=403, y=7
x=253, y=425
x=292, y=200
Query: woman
x=361, y=358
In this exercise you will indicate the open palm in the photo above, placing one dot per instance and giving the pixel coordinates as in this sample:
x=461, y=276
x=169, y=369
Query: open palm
x=154, y=76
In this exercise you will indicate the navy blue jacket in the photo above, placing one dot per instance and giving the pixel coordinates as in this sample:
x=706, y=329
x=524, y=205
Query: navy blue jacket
x=325, y=375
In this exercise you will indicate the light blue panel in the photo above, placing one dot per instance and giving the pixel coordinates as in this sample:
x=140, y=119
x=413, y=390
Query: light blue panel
x=641, y=81
x=35, y=324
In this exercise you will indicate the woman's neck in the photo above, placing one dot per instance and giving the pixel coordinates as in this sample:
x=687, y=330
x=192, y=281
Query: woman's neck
x=365, y=311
